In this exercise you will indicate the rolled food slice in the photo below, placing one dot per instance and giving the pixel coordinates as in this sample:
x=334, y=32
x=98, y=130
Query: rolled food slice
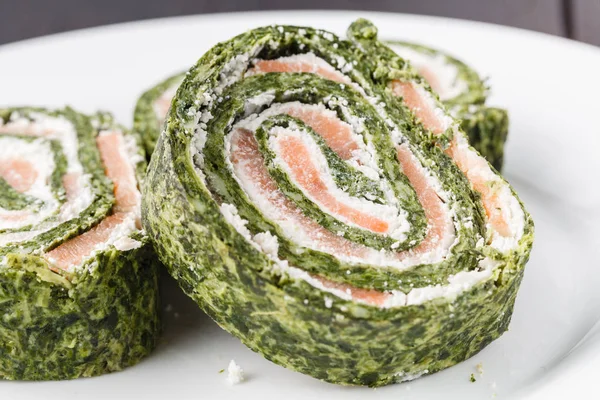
x=78, y=289
x=151, y=109
x=306, y=209
x=464, y=93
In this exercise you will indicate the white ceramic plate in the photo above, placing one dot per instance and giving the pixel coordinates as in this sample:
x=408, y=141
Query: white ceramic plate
x=550, y=87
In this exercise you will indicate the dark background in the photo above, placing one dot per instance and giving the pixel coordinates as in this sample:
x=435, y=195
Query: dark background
x=21, y=19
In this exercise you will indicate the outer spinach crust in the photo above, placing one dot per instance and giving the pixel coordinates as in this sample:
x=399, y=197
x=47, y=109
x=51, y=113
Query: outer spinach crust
x=56, y=326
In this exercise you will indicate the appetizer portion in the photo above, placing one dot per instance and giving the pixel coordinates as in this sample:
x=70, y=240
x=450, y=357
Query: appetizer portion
x=78, y=285
x=315, y=198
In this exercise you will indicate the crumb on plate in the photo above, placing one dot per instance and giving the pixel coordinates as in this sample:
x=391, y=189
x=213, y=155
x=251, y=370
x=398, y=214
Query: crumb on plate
x=235, y=373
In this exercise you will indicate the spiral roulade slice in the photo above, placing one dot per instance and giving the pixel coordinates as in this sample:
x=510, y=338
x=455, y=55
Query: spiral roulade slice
x=304, y=199
x=78, y=285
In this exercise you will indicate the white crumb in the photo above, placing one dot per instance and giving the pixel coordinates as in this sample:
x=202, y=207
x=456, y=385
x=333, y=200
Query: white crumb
x=235, y=373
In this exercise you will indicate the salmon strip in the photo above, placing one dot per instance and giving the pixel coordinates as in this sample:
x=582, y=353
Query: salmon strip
x=433, y=206
x=19, y=174
x=30, y=130
x=119, y=171
x=291, y=65
x=369, y=296
x=162, y=105
x=70, y=183
x=73, y=251
x=417, y=105
x=16, y=216
x=470, y=166
x=337, y=134
x=297, y=156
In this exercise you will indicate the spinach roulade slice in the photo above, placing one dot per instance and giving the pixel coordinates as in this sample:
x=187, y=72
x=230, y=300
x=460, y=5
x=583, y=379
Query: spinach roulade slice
x=151, y=109
x=78, y=288
x=464, y=93
x=307, y=210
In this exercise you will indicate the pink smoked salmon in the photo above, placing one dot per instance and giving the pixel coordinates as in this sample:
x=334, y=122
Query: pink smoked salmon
x=20, y=174
x=308, y=63
x=431, y=78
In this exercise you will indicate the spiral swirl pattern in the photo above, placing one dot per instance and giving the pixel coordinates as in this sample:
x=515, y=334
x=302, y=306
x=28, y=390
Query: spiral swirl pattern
x=315, y=198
